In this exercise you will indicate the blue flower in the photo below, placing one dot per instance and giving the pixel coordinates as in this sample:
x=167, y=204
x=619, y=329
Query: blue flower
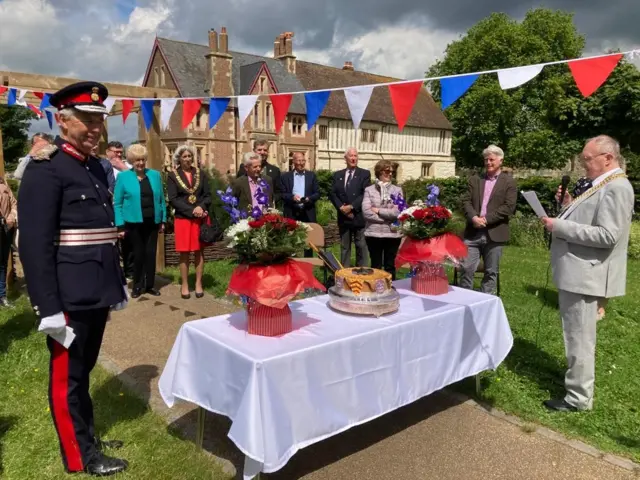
x=243, y=214
x=261, y=197
x=263, y=184
x=256, y=212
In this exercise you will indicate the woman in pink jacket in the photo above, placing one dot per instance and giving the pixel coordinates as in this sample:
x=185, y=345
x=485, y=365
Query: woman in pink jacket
x=380, y=213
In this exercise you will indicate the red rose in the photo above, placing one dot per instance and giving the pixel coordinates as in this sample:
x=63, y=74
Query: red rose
x=256, y=223
x=419, y=214
x=403, y=217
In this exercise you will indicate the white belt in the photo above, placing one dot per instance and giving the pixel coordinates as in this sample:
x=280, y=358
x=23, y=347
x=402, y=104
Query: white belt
x=86, y=236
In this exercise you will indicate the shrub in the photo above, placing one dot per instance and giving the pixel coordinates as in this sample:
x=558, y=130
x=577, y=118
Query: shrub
x=325, y=182
x=526, y=231
x=634, y=241
x=13, y=185
x=545, y=188
x=325, y=212
x=451, y=190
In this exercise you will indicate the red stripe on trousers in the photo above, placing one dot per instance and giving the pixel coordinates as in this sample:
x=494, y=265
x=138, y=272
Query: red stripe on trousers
x=60, y=400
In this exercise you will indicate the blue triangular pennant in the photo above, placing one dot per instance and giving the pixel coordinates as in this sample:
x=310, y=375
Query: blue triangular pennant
x=146, y=106
x=217, y=107
x=49, y=115
x=11, y=97
x=453, y=88
x=45, y=101
x=316, y=102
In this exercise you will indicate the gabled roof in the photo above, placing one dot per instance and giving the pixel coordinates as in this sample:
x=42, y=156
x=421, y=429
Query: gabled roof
x=187, y=63
x=249, y=77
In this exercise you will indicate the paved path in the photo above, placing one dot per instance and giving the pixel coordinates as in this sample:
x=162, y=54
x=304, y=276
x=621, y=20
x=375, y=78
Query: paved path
x=439, y=437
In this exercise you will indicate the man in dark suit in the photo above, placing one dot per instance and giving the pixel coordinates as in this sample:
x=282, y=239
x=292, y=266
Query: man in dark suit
x=346, y=195
x=489, y=203
x=261, y=147
x=247, y=188
x=300, y=192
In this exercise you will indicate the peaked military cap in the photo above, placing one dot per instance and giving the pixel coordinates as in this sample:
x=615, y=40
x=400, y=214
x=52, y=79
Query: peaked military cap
x=83, y=96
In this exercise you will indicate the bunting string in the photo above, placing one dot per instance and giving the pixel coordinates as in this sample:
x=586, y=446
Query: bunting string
x=589, y=74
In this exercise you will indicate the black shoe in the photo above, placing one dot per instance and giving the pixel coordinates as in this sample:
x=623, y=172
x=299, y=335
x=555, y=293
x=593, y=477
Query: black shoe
x=112, y=444
x=152, y=291
x=559, y=405
x=185, y=296
x=5, y=303
x=102, y=466
x=199, y=294
x=136, y=292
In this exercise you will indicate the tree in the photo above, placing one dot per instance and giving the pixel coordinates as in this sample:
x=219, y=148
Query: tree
x=15, y=121
x=515, y=119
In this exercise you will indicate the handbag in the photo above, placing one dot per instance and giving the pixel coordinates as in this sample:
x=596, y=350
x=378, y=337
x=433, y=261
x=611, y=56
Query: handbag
x=210, y=232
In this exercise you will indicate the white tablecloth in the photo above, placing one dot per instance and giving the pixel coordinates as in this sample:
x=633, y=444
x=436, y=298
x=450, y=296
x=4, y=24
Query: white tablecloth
x=333, y=371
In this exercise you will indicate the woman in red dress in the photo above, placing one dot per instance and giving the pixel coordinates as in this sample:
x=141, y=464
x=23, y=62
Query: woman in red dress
x=189, y=194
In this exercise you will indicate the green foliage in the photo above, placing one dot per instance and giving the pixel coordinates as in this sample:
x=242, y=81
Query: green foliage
x=451, y=190
x=545, y=189
x=218, y=181
x=634, y=241
x=326, y=213
x=515, y=119
x=325, y=182
x=14, y=185
x=526, y=231
x=14, y=122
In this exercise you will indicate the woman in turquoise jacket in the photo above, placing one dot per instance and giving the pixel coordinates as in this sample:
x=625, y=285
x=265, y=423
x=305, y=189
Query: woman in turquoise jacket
x=140, y=212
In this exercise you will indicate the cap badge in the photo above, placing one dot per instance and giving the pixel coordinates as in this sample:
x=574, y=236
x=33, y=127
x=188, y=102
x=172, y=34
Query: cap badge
x=94, y=94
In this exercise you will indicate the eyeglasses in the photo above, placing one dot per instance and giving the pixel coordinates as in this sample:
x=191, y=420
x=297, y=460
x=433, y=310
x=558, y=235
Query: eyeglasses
x=387, y=170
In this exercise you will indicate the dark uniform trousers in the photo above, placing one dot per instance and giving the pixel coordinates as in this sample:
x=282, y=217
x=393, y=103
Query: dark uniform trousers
x=72, y=270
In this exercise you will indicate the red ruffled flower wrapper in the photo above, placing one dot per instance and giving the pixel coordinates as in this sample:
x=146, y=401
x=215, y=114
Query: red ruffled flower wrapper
x=427, y=257
x=270, y=288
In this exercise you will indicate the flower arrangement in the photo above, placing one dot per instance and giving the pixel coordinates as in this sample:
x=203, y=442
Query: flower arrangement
x=424, y=220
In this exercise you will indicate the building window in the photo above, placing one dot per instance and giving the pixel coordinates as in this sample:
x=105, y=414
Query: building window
x=162, y=77
x=262, y=90
x=296, y=125
x=427, y=170
x=372, y=136
x=443, y=138
x=364, y=135
x=256, y=116
x=156, y=79
x=323, y=132
x=197, y=121
x=267, y=117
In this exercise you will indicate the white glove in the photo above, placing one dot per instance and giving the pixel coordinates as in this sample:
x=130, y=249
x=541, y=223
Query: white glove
x=123, y=304
x=56, y=327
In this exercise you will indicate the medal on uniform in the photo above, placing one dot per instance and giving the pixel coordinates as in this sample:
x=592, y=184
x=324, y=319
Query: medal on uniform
x=192, y=199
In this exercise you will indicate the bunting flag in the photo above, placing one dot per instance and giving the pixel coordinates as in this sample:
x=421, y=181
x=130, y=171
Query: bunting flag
x=190, y=107
x=280, y=104
x=146, y=107
x=3, y=89
x=245, y=106
x=11, y=97
x=109, y=102
x=514, y=77
x=315, y=101
x=167, y=106
x=49, y=115
x=403, y=97
x=591, y=73
x=453, y=88
x=217, y=107
x=127, y=105
x=21, y=100
x=357, y=100
x=44, y=97
x=35, y=110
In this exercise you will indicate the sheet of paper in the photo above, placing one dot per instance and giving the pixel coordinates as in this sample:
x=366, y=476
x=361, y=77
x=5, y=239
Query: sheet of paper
x=532, y=200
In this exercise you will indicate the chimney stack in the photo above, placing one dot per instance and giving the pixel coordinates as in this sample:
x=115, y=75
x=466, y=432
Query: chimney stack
x=283, y=50
x=277, y=51
x=213, y=40
x=224, y=40
x=348, y=66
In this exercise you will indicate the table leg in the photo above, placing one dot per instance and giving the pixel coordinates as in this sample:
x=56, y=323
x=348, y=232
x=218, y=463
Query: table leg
x=478, y=389
x=200, y=429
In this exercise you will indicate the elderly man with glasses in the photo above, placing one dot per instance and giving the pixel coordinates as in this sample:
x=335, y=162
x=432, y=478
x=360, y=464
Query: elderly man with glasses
x=589, y=245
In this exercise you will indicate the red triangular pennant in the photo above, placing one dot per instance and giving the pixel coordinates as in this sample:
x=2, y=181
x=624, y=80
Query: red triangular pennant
x=40, y=95
x=403, y=96
x=127, y=105
x=280, y=108
x=3, y=89
x=190, y=107
x=591, y=73
x=35, y=110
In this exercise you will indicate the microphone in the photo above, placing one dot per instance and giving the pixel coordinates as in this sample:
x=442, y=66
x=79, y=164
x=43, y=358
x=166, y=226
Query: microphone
x=563, y=190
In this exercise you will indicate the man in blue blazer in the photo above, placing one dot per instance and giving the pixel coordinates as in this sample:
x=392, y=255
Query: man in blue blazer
x=347, y=195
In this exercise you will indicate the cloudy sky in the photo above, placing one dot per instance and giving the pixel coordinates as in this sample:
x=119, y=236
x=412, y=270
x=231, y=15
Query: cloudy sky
x=111, y=40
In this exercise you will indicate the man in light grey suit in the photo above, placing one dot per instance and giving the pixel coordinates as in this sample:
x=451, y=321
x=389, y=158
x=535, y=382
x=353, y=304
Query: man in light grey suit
x=589, y=262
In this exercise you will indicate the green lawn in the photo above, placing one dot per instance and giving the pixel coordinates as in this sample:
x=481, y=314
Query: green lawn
x=534, y=370
x=28, y=445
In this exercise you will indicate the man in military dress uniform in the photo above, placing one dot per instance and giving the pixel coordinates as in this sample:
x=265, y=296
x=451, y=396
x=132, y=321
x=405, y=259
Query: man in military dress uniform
x=72, y=269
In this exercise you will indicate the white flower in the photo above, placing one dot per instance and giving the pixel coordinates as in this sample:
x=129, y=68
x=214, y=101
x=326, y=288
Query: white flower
x=234, y=230
x=409, y=211
x=305, y=225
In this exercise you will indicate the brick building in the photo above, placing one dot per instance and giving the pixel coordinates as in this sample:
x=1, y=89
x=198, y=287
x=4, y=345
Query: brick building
x=423, y=148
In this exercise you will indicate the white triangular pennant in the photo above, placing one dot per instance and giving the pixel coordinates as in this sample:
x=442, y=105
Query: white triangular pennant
x=514, y=77
x=358, y=99
x=20, y=98
x=108, y=103
x=245, y=106
x=167, y=106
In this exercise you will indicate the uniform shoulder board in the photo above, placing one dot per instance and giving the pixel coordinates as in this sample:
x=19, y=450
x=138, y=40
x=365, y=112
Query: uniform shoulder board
x=45, y=153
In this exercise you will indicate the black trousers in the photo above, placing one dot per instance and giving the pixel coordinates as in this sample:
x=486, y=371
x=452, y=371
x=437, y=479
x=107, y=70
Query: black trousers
x=69, y=400
x=382, y=252
x=144, y=240
x=300, y=214
x=126, y=250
